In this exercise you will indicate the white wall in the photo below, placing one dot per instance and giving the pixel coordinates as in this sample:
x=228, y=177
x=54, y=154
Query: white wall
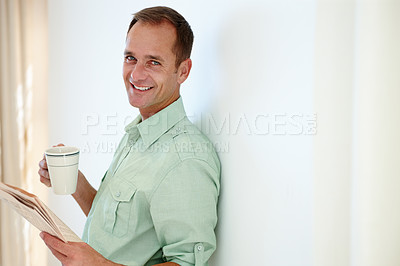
x=300, y=98
x=250, y=90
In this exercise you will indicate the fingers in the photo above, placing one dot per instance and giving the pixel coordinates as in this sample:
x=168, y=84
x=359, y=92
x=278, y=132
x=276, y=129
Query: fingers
x=43, y=163
x=73, y=253
x=43, y=169
x=44, y=172
x=58, y=145
x=62, y=258
x=53, y=244
x=45, y=181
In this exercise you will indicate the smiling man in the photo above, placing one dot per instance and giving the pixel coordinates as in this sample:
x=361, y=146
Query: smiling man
x=157, y=203
x=152, y=75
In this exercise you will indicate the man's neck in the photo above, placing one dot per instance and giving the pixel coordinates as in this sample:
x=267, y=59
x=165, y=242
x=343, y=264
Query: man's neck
x=146, y=113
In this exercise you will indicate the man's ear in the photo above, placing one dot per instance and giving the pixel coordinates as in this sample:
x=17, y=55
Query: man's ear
x=184, y=70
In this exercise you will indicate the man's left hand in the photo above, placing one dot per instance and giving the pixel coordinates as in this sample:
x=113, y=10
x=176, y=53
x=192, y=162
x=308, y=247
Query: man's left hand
x=74, y=253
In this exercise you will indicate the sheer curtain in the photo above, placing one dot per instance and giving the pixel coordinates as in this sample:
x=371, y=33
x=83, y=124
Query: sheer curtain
x=23, y=120
x=357, y=148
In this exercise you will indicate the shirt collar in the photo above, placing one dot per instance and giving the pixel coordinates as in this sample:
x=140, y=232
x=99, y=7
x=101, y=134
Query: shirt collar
x=156, y=125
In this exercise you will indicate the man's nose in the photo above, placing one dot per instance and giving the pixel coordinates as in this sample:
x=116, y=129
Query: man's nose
x=138, y=72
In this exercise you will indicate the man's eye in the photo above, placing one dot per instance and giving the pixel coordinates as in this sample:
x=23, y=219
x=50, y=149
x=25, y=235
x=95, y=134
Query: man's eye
x=155, y=63
x=129, y=58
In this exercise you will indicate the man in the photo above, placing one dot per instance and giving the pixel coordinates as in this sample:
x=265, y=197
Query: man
x=157, y=202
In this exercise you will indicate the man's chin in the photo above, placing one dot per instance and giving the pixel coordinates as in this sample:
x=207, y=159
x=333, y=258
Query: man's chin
x=137, y=104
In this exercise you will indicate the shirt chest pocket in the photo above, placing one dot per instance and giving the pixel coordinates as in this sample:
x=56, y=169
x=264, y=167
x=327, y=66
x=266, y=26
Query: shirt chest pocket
x=118, y=207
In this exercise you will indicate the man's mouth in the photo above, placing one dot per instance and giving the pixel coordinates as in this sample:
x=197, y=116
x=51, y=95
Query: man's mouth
x=141, y=88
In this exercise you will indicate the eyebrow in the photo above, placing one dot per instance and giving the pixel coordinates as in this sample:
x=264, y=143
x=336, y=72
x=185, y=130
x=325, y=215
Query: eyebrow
x=154, y=57
x=151, y=57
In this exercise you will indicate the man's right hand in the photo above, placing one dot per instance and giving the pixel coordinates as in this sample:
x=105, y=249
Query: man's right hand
x=84, y=194
x=43, y=171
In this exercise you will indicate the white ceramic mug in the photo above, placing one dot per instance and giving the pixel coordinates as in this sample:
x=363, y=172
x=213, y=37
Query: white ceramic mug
x=62, y=162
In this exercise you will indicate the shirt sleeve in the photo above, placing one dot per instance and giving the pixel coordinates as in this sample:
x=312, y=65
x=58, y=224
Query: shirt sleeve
x=184, y=212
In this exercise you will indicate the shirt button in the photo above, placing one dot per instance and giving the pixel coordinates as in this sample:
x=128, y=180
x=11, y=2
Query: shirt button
x=199, y=248
x=118, y=194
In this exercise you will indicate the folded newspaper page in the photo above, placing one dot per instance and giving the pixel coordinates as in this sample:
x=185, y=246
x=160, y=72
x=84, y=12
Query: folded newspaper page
x=36, y=212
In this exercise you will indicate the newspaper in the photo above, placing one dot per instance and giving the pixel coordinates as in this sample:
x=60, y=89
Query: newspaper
x=36, y=212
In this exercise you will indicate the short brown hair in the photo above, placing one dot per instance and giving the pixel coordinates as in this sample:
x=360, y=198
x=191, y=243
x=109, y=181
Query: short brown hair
x=184, y=34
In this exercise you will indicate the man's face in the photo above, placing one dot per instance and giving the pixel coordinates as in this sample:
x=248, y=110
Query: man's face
x=151, y=78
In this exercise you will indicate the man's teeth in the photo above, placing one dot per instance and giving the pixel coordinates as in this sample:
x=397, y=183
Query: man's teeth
x=142, y=88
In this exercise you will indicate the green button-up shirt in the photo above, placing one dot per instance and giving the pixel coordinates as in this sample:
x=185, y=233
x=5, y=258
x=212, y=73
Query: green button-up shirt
x=158, y=199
